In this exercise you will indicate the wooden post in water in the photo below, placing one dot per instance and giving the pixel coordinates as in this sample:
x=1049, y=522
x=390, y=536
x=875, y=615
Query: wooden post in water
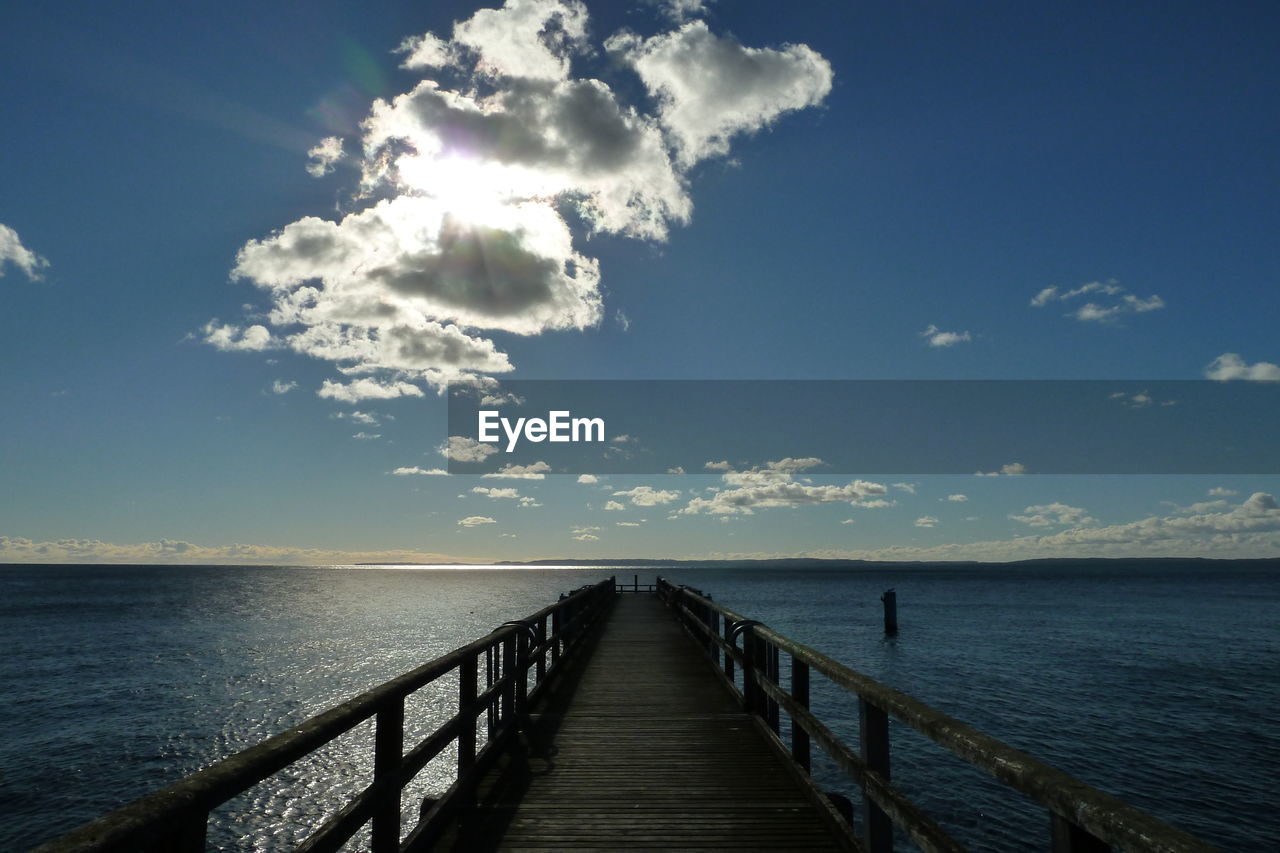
x=890, y=599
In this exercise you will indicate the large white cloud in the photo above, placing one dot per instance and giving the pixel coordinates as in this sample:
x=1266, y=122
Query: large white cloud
x=532, y=140
x=412, y=262
x=13, y=252
x=710, y=87
x=458, y=227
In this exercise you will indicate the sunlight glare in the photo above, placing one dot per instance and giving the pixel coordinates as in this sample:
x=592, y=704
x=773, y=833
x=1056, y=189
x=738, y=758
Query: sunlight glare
x=472, y=190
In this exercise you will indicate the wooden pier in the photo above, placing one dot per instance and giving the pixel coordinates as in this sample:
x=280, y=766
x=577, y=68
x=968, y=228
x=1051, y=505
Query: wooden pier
x=645, y=751
x=631, y=719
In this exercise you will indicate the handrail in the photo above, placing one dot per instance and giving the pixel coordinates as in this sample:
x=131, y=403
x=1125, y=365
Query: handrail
x=176, y=818
x=1083, y=819
x=636, y=586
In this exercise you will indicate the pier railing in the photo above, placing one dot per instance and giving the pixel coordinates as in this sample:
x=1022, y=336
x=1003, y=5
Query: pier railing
x=1082, y=819
x=514, y=662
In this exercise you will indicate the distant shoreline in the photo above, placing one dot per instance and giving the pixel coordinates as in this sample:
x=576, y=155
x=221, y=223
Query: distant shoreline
x=749, y=564
x=821, y=563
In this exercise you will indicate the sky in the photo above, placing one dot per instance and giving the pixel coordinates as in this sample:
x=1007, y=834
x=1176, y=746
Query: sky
x=245, y=250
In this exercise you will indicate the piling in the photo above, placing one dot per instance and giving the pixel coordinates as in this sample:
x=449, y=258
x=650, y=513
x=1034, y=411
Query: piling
x=890, y=599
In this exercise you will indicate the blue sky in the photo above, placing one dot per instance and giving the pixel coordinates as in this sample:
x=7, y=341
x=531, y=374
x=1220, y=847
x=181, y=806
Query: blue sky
x=715, y=191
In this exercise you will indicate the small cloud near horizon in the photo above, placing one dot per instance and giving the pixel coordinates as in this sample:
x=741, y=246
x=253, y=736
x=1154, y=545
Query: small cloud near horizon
x=1229, y=366
x=423, y=472
x=13, y=252
x=938, y=338
x=1108, y=301
x=1013, y=469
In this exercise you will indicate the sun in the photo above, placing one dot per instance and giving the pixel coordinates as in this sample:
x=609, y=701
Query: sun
x=476, y=191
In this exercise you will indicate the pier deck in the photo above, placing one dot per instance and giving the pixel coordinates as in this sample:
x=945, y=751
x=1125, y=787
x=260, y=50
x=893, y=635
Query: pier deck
x=647, y=750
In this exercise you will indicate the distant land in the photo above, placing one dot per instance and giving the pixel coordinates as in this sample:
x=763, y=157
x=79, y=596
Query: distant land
x=821, y=563
x=773, y=563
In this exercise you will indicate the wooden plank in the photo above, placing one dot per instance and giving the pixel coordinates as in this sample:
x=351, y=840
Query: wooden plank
x=645, y=751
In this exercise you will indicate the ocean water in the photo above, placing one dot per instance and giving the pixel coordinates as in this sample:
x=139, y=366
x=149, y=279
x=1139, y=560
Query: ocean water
x=1160, y=684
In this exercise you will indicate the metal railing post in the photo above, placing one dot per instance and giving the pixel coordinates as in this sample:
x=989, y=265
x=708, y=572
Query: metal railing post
x=388, y=752
x=873, y=728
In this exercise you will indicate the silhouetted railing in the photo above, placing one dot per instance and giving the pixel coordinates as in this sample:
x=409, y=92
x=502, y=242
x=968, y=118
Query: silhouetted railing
x=1082, y=819
x=636, y=586
x=176, y=818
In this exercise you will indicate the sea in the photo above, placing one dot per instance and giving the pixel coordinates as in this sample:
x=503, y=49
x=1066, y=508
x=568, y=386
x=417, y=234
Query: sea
x=1158, y=683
